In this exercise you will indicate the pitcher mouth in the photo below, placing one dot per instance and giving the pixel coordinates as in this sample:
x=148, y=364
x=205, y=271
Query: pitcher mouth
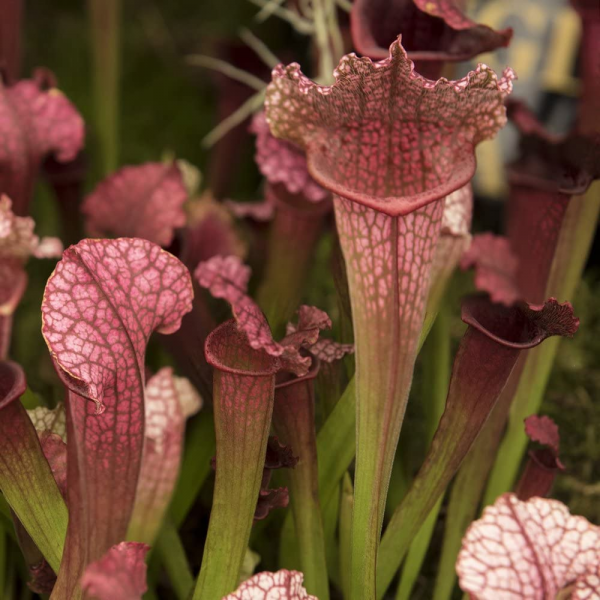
x=250, y=362
x=393, y=205
x=516, y=326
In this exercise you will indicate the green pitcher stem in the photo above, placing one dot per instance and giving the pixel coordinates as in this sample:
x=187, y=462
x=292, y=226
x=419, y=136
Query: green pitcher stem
x=436, y=376
x=234, y=501
x=173, y=557
x=462, y=510
x=345, y=535
x=436, y=370
x=331, y=512
x=288, y=548
x=195, y=466
x=336, y=441
x=105, y=25
x=336, y=447
x=309, y=531
x=377, y=435
x=416, y=554
x=294, y=424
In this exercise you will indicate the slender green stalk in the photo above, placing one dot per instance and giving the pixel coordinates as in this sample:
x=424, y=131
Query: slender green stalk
x=250, y=106
x=331, y=512
x=336, y=443
x=300, y=24
x=294, y=423
x=436, y=371
x=345, y=553
x=234, y=501
x=462, y=509
x=337, y=39
x=378, y=432
x=436, y=376
x=172, y=553
x=195, y=466
x=321, y=35
x=434, y=303
x=399, y=482
x=416, y=555
x=288, y=548
x=336, y=447
x=222, y=66
x=259, y=48
x=574, y=244
x=309, y=533
x=105, y=25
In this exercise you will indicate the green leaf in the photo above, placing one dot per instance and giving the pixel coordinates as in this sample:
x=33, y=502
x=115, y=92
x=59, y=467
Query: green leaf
x=172, y=554
x=195, y=466
x=25, y=476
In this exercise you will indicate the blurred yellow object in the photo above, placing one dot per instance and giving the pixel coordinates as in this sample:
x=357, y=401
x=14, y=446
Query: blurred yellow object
x=543, y=53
